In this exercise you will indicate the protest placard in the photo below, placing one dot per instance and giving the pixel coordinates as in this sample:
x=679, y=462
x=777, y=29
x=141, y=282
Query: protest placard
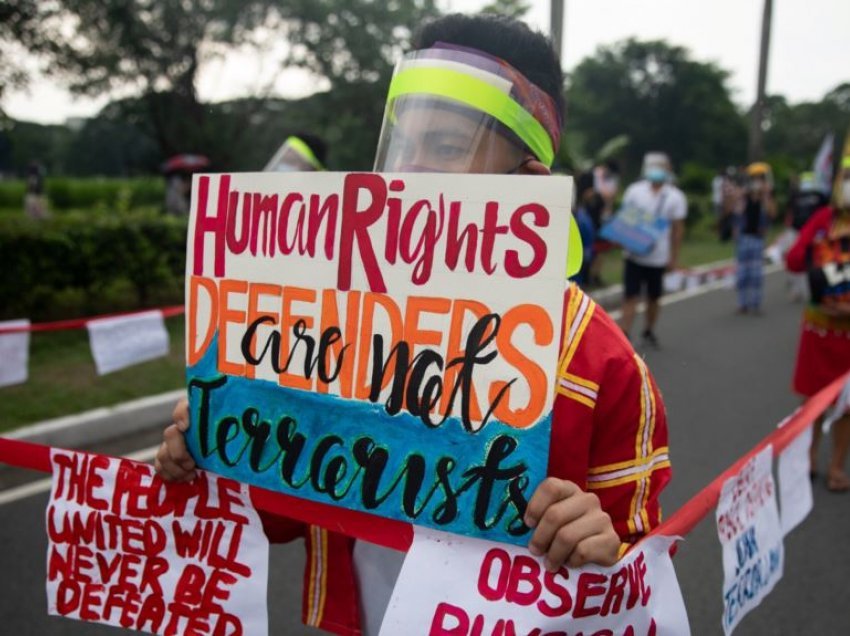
x=128, y=550
x=118, y=342
x=459, y=586
x=14, y=353
x=386, y=343
x=795, y=484
x=751, y=536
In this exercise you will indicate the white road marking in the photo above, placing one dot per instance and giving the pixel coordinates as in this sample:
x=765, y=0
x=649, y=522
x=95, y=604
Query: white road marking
x=43, y=485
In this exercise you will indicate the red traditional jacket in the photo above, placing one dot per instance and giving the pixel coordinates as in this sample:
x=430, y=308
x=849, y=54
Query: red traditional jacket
x=609, y=435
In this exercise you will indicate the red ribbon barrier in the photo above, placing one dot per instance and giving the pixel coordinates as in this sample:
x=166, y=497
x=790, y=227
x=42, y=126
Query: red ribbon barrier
x=691, y=513
x=80, y=323
x=360, y=525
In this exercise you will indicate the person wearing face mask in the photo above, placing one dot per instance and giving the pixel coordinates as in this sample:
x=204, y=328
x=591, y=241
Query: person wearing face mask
x=755, y=212
x=299, y=153
x=822, y=251
x=664, y=206
x=483, y=94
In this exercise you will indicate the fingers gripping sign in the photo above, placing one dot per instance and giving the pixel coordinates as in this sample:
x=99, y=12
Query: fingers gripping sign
x=173, y=462
x=569, y=526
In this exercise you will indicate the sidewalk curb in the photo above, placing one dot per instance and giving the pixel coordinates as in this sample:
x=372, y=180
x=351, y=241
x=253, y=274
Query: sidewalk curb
x=102, y=424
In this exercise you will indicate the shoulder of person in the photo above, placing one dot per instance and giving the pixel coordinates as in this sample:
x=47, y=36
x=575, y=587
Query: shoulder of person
x=598, y=344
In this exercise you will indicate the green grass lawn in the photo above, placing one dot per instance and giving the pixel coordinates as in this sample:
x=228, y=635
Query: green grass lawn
x=63, y=379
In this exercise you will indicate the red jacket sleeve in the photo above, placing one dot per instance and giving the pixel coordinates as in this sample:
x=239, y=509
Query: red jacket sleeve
x=795, y=260
x=609, y=430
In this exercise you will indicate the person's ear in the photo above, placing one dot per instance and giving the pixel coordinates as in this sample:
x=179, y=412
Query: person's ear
x=534, y=167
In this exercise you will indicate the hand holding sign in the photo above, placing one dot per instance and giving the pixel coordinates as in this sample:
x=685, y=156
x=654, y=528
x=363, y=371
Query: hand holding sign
x=173, y=461
x=570, y=526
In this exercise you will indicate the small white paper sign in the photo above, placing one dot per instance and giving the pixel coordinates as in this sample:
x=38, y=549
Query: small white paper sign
x=693, y=282
x=451, y=585
x=127, y=550
x=673, y=281
x=750, y=533
x=14, y=353
x=841, y=408
x=795, y=486
x=122, y=341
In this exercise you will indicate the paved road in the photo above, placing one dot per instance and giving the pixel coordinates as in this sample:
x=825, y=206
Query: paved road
x=725, y=380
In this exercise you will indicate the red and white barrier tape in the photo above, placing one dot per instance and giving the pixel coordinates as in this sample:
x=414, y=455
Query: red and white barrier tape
x=399, y=535
x=80, y=323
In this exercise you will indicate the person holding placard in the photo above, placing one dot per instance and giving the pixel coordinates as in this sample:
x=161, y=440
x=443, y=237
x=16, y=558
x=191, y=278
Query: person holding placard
x=823, y=251
x=487, y=98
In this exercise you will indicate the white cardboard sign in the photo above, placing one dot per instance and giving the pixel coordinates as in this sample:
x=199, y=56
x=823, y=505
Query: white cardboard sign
x=751, y=536
x=14, y=353
x=128, y=550
x=795, y=486
x=458, y=586
x=122, y=341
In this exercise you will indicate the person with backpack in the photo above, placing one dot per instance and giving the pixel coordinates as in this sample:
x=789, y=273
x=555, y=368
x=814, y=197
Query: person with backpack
x=663, y=207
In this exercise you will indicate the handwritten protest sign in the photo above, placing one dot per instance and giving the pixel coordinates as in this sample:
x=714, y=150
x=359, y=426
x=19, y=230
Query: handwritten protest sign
x=386, y=343
x=127, y=550
x=751, y=536
x=795, y=484
x=458, y=586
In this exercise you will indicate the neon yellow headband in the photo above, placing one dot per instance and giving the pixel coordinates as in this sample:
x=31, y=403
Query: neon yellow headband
x=304, y=152
x=478, y=94
x=575, y=250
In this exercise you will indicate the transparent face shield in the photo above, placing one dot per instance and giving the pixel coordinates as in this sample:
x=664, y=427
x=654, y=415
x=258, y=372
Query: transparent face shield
x=293, y=156
x=451, y=109
x=434, y=134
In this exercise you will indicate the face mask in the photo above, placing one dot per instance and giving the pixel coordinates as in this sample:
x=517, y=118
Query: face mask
x=656, y=175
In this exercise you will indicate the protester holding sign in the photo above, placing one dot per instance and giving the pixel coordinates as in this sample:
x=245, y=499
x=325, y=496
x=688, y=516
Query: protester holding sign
x=823, y=250
x=483, y=95
x=663, y=208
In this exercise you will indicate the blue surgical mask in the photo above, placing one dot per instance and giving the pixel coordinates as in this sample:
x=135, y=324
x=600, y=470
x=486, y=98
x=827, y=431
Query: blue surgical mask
x=656, y=175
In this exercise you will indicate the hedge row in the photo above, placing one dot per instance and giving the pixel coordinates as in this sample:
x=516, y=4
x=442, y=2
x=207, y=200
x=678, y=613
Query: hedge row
x=80, y=264
x=66, y=193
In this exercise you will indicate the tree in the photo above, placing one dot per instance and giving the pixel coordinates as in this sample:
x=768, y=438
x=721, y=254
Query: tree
x=794, y=132
x=154, y=50
x=511, y=8
x=17, y=33
x=660, y=98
